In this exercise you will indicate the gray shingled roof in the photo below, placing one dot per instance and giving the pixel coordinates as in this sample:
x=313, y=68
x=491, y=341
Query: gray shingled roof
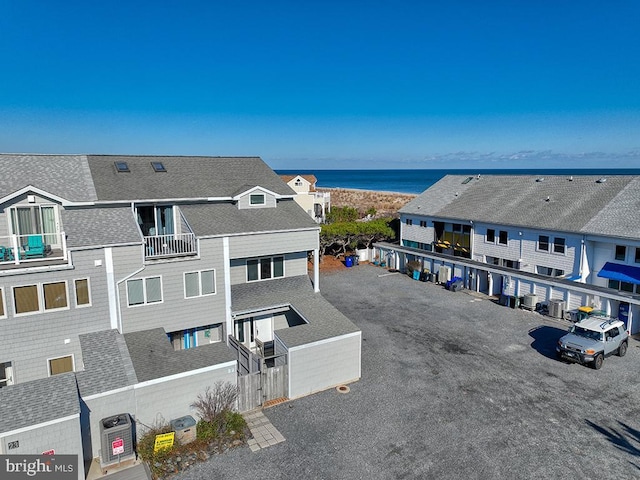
x=100, y=226
x=66, y=176
x=186, y=177
x=154, y=357
x=580, y=204
x=324, y=320
x=107, y=364
x=227, y=219
x=39, y=401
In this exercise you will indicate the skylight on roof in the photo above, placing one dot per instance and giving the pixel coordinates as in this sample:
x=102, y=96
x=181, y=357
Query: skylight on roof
x=122, y=167
x=158, y=167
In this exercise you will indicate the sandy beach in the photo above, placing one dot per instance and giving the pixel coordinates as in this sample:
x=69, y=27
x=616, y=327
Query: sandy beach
x=385, y=203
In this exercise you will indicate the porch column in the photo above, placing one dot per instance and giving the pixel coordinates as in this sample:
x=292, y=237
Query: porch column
x=227, y=288
x=316, y=270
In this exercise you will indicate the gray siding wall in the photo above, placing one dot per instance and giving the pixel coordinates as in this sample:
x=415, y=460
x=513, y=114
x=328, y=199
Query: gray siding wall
x=525, y=246
x=31, y=339
x=105, y=406
x=63, y=437
x=323, y=365
x=295, y=264
x=175, y=312
x=264, y=244
x=172, y=399
x=245, y=200
x=415, y=232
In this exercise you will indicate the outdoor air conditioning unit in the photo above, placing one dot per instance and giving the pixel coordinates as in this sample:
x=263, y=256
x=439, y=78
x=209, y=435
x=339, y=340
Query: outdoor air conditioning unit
x=116, y=439
x=529, y=301
x=556, y=308
x=444, y=274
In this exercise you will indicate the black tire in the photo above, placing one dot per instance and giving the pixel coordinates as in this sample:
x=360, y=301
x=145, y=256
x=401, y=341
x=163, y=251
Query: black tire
x=597, y=362
x=622, y=349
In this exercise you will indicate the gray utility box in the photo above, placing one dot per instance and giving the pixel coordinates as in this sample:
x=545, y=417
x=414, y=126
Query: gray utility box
x=185, y=428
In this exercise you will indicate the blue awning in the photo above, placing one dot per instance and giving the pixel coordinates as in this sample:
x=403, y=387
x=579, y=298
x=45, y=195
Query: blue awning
x=622, y=273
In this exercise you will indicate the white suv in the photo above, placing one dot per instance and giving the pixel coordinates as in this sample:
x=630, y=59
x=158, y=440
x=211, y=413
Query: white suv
x=592, y=339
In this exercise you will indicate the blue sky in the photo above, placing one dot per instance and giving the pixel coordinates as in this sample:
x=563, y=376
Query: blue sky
x=330, y=84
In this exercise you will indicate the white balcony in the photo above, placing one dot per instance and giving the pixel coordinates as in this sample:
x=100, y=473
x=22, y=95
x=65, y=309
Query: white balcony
x=172, y=245
x=22, y=250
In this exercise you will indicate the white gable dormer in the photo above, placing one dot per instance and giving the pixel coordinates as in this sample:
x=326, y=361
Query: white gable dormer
x=256, y=197
x=300, y=184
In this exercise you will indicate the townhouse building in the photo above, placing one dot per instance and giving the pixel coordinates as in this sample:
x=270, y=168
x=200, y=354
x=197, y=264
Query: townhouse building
x=568, y=239
x=128, y=284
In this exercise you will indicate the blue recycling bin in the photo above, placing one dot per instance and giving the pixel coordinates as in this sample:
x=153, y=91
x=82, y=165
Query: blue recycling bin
x=348, y=261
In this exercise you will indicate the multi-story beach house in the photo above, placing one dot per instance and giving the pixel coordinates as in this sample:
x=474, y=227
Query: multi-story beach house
x=566, y=241
x=315, y=203
x=128, y=284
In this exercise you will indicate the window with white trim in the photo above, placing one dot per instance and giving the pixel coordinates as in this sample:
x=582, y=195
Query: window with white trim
x=199, y=284
x=558, y=245
x=621, y=252
x=265, y=268
x=503, y=238
x=543, y=243
x=549, y=271
x=40, y=297
x=491, y=235
x=83, y=295
x=143, y=291
x=60, y=365
x=3, y=312
x=257, y=199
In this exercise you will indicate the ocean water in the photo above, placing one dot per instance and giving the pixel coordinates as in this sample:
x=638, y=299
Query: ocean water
x=417, y=181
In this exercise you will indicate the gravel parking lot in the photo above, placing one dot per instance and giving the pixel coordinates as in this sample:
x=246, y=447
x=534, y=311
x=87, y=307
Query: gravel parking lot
x=453, y=386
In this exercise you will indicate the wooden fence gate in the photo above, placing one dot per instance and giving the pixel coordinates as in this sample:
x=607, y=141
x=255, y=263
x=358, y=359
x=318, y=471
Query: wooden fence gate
x=257, y=382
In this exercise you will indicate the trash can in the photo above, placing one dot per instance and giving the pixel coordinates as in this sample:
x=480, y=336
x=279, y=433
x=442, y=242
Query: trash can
x=416, y=275
x=348, y=261
x=185, y=428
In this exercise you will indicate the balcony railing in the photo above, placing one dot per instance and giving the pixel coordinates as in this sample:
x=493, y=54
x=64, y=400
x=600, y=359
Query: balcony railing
x=173, y=245
x=29, y=249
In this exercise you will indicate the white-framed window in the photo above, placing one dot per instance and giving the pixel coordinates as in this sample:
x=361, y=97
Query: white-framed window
x=558, y=245
x=423, y=223
x=265, y=268
x=39, y=298
x=143, y=291
x=257, y=199
x=35, y=219
x=543, y=243
x=298, y=182
x=61, y=365
x=200, y=283
x=408, y=221
x=83, y=292
x=3, y=310
x=549, y=271
x=6, y=374
x=491, y=235
x=503, y=238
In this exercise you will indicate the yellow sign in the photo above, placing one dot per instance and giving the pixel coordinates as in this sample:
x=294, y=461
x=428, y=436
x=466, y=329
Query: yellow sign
x=164, y=440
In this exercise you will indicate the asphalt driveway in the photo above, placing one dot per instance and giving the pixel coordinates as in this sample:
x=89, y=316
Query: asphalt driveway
x=453, y=386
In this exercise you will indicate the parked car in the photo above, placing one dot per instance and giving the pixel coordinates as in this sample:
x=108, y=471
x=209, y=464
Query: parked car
x=592, y=339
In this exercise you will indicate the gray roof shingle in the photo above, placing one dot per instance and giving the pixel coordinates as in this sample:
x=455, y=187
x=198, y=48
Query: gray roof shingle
x=66, y=176
x=100, y=226
x=578, y=204
x=227, y=219
x=324, y=320
x=39, y=401
x=107, y=364
x=185, y=177
x=154, y=357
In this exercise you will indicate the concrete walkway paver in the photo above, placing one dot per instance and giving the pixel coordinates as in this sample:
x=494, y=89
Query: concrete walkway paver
x=264, y=433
